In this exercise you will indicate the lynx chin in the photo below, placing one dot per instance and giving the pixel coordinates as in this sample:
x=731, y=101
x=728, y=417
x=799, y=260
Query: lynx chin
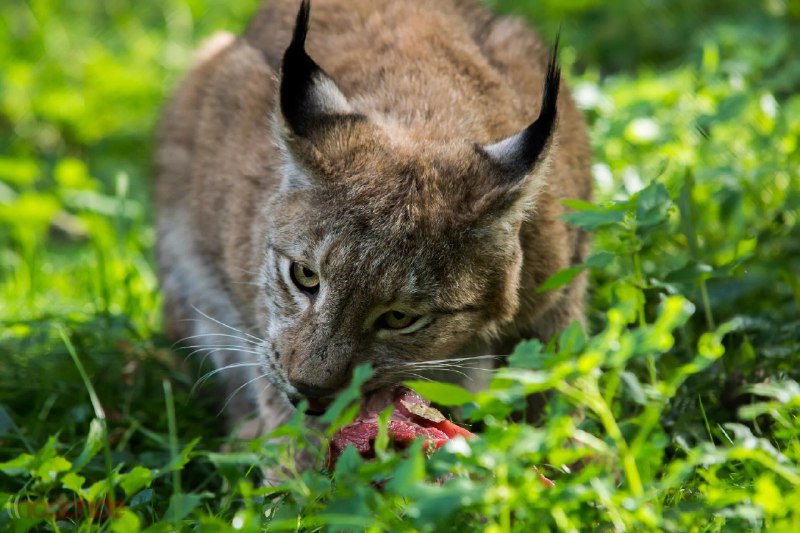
x=369, y=181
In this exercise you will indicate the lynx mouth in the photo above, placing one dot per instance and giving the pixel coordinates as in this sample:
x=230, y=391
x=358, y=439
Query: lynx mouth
x=315, y=407
x=412, y=418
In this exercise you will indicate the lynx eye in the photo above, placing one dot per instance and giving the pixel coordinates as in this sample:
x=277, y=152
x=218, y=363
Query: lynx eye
x=306, y=279
x=397, y=320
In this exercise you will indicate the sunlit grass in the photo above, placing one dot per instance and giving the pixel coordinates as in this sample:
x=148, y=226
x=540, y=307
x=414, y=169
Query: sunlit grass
x=680, y=403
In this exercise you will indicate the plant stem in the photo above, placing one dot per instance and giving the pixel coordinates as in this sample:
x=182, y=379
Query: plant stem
x=588, y=394
x=707, y=306
x=505, y=510
x=99, y=412
x=637, y=269
x=611, y=385
x=173, y=444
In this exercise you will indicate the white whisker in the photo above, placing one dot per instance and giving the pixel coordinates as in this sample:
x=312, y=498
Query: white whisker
x=260, y=340
x=458, y=359
x=247, y=341
x=436, y=363
x=447, y=370
x=208, y=375
x=412, y=374
x=214, y=349
x=448, y=367
x=234, y=347
x=234, y=393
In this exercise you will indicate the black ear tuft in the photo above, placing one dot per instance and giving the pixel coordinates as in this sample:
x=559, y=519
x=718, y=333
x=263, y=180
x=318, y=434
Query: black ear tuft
x=297, y=73
x=308, y=96
x=301, y=24
x=518, y=154
x=541, y=130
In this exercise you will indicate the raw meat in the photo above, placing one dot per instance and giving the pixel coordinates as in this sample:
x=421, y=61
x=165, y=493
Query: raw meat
x=413, y=417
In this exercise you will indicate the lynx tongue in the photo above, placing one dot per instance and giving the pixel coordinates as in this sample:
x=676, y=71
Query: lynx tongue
x=413, y=417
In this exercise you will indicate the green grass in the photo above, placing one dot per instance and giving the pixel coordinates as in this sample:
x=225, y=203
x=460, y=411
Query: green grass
x=681, y=401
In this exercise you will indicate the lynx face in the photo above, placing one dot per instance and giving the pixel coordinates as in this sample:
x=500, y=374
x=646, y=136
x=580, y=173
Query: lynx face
x=351, y=276
x=382, y=247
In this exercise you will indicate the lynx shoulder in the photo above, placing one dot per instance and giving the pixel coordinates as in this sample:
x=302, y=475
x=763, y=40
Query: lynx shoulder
x=367, y=181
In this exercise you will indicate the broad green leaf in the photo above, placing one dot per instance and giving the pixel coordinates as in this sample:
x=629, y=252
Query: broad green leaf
x=24, y=524
x=652, y=205
x=73, y=482
x=559, y=279
x=33, y=209
x=600, y=260
x=768, y=495
x=18, y=170
x=94, y=443
x=634, y=387
x=141, y=498
x=181, y=505
x=435, y=504
x=382, y=440
x=348, y=462
x=72, y=173
x=183, y=457
x=98, y=490
x=580, y=205
x=528, y=354
x=691, y=272
x=160, y=527
x=441, y=393
x=347, y=415
x=18, y=466
x=409, y=472
x=596, y=218
x=786, y=391
x=126, y=522
x=573, y=339
x=6, y=423
x=51, y=468
x=245, y=521
x=345, y=398
x=135, y=480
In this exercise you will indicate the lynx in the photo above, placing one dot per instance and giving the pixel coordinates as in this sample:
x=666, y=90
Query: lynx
x=372, y=181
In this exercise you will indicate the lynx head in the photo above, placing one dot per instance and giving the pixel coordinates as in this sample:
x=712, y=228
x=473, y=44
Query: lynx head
x=383, y=248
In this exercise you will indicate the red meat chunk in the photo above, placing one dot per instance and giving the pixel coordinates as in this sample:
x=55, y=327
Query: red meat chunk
x=413, y=417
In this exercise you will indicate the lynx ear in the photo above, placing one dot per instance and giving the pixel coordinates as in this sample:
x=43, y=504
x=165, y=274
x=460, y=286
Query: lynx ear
x=308, y=96
x=517, y=156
